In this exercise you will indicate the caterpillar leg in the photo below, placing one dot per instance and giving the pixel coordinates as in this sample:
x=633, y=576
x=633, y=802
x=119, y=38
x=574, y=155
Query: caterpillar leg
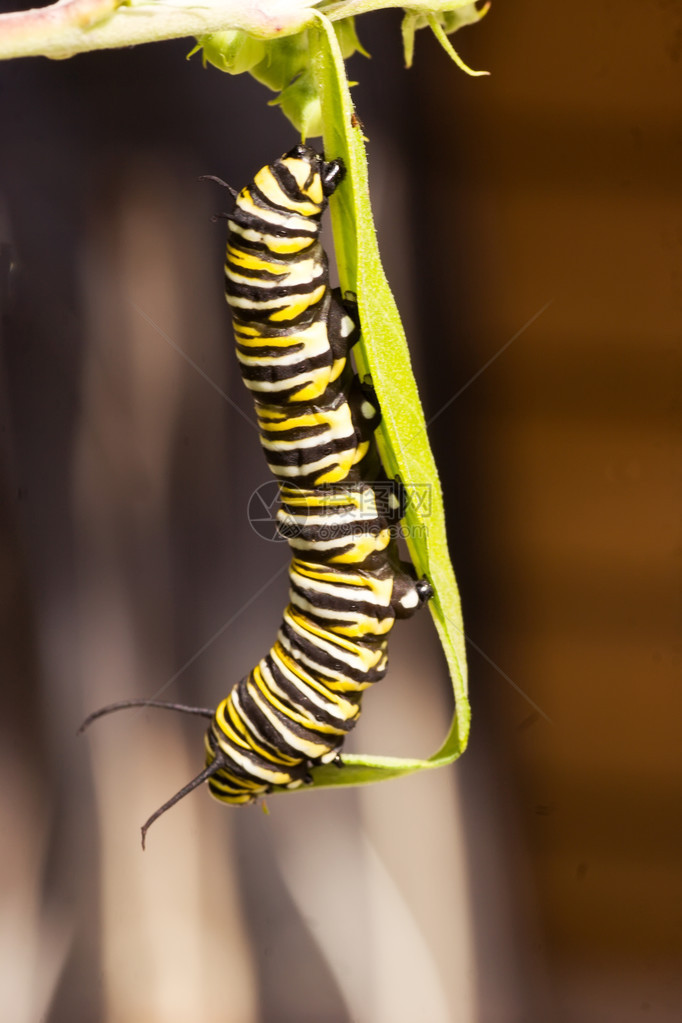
x=391, y=498
x=409, y=593
x=364, y=406
x=343, y=324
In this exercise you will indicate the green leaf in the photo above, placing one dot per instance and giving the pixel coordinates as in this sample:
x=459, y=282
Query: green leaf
x=403, y=440
x=443, y=19
x=359, y=769
x=440, y=34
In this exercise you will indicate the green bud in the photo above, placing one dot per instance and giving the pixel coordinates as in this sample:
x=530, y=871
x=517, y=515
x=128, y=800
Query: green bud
x=409, y=27
x=283, y=60
x=301, y=105
x=443, y=23
x=348, y=38
x=232, y=51
x=282, y=64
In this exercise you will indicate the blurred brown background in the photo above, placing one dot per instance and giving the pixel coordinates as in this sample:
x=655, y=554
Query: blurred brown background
x=532, y=230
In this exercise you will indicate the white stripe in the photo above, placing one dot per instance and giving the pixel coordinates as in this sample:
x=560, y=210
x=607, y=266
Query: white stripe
x=297, y=221
x=344, y=591
x=307, y=748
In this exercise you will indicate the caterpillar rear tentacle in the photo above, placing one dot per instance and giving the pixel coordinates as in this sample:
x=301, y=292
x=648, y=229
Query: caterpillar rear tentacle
x=127, y=704
x=219, y=181
x=294, y=335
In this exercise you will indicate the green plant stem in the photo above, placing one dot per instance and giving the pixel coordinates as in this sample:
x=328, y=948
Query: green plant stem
x=78, y=26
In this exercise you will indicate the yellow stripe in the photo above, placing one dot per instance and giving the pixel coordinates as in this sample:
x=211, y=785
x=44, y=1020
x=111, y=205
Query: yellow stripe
x=294, y=309
x=250, y=744
x=312, y=748
x=224, y=727
x=362, y=549
x=378, y=628
x=336, y=475
x=306, y=722
x=311, y=500
x=343, y=578
x=315, y=388
x=249, y=261
x=337, y=368
x=306, y=625
x=301, y=171
x=291, y=341
x=360, y=452
x=270, y=217
x=368, y=658
x=290, y=422
x=285, y=246
x=236, y=720
x=270, y=187
x=312, y=683
x=314, y=190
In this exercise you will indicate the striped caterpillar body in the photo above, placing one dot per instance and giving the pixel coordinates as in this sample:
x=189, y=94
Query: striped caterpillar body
x=294, y=335
x=347, y=587
x=293, y=332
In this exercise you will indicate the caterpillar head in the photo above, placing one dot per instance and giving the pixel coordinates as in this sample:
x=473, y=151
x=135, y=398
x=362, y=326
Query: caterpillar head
x=311, y=176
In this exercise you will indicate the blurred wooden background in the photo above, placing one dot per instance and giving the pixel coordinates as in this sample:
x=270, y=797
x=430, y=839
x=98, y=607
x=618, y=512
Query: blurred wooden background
x=532, y=229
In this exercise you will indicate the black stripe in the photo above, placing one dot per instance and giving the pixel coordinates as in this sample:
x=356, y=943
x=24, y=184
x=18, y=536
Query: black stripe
x=263, y=275
x=268, y=351
x=304, y=456
x=298, y=544
x=285, y=260
x=343, y=603
x=259, y=732
x=298, y=700
x=332, y=527
x=331, y=493
x=265, y=203
x=308, y=647
x=254, y=317
x=251, y=221
x=275, y=737
x=255, y=294
x=275, y=373
x=338, y=516
x=292, y=435
x=250, y=755
x=289, y=184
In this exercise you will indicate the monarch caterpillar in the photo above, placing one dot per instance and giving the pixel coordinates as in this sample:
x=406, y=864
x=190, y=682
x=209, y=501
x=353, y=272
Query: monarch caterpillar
x=294, y=336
